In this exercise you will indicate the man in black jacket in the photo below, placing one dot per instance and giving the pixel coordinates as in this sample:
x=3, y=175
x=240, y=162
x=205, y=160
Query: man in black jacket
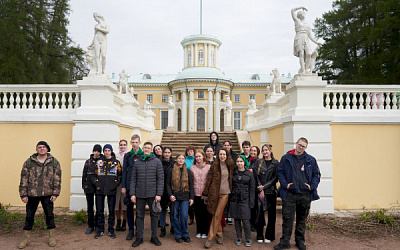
x=147, y=185
x=214, y=143
x=130, y=158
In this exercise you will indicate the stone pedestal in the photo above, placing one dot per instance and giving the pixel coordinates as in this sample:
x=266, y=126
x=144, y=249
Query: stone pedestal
x=306, y=117
x=171, y=120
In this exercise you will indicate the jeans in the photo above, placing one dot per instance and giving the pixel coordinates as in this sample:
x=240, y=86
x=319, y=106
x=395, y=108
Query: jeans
x=90, y=202
x=111, y=212
x=140, y=210
x=246, y=227
x=163, y=218
x=202, y=215
x=298, y=204
x=31, y=207
x=180, y=221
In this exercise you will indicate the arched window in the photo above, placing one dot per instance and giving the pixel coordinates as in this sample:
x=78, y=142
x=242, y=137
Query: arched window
x=212, y=57
x=201, y=56
x=189, y=57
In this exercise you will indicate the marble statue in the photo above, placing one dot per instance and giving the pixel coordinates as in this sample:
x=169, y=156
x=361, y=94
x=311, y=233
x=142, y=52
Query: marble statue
x=276, y=82
x=146, y=106
x=123, y=82
x=228, y=108
x=99, y=43
x=302, y=45
x=171, y=104
x=91, y=60
x=252, y=104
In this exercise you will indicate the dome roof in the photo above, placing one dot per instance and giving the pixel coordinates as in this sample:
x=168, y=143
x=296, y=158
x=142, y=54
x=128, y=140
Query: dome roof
x=201, y=72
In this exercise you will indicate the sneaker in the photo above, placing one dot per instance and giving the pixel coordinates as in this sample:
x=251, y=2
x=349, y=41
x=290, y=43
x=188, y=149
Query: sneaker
x=204, y=236
x=163, y=231
x=89, y=230
x=238, y=242
x=98, y=235
x=208, y=244
x=220, y=240
x=248, y=243
x=260, y=241
x=186, y=239
x=198, y=236
x=282, y=246
x=137, y=242
x=112, y=235
x=178, y=240
x=301, y=246
x=129, y=236
x=267, y=241
x=230, y=222
x=155, y=241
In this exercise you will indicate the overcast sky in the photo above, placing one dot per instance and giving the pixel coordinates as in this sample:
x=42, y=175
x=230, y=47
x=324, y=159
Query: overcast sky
x=256, y=35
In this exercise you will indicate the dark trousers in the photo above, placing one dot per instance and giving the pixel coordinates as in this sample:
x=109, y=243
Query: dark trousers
x=130, y=217
x=140, y=210
x=31, y=207
x=191, y=213
x=298, y=204
x=246, y=227
x=202, y=215
x=111, y=212
x=270, y=230
x=90, y=202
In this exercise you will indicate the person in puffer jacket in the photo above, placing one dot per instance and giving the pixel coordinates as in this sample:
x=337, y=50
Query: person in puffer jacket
x=108, y=178
x=88, y=186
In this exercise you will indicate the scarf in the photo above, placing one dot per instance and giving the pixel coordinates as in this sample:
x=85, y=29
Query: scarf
x=138, y=154
x=144, y=157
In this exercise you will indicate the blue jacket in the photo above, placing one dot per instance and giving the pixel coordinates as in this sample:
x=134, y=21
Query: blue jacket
x=285, y=174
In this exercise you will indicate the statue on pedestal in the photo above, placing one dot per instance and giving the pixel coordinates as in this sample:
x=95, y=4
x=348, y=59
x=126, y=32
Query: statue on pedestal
x=123, y=82
x=171, y=104
x=276, y=82
x=302, y=45
x=252, y=104
x=171, y=114
x=99, y=44
x=228, y=108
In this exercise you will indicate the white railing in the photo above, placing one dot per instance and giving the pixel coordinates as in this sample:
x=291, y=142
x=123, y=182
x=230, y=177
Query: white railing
x=39, y=96
x=362, y=97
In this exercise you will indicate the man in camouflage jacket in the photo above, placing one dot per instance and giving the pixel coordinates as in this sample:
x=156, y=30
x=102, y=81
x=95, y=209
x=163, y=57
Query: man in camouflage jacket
x=40, y=182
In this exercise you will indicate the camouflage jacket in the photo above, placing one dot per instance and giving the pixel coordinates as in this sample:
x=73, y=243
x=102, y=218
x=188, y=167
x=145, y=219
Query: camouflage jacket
x=40, y=179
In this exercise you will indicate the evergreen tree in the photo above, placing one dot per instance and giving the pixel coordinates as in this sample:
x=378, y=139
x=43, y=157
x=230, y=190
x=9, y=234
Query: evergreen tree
x=34, y=45
x=362, y=42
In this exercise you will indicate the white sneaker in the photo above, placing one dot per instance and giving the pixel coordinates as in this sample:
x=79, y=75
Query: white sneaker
x=204, y=236
x=198, y=236
x=260, y=241
x=267, y=241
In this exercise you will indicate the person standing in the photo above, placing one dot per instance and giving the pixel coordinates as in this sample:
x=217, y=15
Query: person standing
x=210, y=155
x=299, y=176
x=157, y=151
x=242, y=199
x=189, y=160
x=253, y=159
x=216, y=192
x=147, y=186
x=89, y=188
x=180, y=190
x=40, y=182
x=246, y=149
x=120, y=207
x=168, y=163
x=130, y=158
x=267, y=169
x=108, y=178
x=214, y=143
x=228, y=146
x=199, y=171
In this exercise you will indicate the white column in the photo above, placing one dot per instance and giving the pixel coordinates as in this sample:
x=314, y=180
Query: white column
x=217, y=111
x=195, y=55
x=184, y=111
x=184, y=56
x=191, y=110
x=216, y=56
x=210, y=110
x=208, y=55
x=205, y=55
x=192, y=51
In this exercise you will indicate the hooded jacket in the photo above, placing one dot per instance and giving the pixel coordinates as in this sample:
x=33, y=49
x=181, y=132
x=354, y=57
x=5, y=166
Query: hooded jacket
x=108, y=175
x=216, y=146
x=285, y=174
x=89, y=174
x=40, y=179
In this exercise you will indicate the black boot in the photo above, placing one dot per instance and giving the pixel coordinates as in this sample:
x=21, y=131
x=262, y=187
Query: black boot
x=172, y=231
x=123, y=226
x=118, y=227
x=163, y=232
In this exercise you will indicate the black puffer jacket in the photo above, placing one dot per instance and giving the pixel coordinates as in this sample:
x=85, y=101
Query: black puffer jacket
x=216, y=146
x=108, y=176
x=268, y=176
x=243, y=195
x=89, y=174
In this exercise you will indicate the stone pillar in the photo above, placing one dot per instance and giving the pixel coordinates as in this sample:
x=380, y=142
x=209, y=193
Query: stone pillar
x=217, y=111
x=205, y=54
x=195, y=55
x=307, y=118
x=184, y=56
x=208, y=55
x=191, y=110
x=184, y=111
x=210, y=110
x=192, y=51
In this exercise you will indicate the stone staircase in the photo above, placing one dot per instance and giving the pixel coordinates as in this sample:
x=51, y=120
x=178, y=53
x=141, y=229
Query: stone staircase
x=178, y=141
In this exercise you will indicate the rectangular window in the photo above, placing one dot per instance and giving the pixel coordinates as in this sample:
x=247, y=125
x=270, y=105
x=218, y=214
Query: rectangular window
x=236, y=98
x=252, y=96
x=237, y=119
x=164, y=98
x=164, y=119
x=135, y=95
x=222, y=96
x=200, y=94
x=150, y=98
x=180, y=96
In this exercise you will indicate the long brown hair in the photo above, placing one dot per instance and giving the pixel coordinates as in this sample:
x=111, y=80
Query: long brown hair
x=269, y=146
x=176, y=176
x=228, y=161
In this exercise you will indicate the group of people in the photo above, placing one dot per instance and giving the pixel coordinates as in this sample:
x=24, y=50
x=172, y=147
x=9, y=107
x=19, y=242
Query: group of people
x=212, y=186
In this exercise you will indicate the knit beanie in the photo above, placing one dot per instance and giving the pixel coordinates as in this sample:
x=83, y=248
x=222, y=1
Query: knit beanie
x=45, y=144
x=109, y=147
x=97, y=148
